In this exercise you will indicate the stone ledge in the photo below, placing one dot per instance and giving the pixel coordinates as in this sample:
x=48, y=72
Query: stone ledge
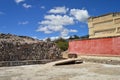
x=101, y=59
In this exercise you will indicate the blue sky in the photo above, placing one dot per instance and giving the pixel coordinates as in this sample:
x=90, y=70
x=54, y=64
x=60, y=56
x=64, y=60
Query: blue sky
x=51, y=18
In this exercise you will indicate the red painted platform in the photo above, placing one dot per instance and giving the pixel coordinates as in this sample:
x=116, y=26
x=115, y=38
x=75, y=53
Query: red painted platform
x=100, y=46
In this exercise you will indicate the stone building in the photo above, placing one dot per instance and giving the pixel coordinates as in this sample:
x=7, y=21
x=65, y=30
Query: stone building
x=107, y=25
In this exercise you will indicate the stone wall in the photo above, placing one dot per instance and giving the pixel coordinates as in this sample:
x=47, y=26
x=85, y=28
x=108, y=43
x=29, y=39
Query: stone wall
x=95, y=47
x=16, y=51
x=106, y=25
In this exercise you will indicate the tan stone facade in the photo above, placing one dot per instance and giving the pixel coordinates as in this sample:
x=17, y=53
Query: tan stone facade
x=104, y=26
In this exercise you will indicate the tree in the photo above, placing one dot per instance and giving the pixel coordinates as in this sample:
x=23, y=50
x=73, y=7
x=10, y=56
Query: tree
x=48, y=39
x=84, y=37
x=74, y=37
x=62, y=44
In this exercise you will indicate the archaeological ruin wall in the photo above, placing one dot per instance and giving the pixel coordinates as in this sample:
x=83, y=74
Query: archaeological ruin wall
x=15, y=51
x=104, y=26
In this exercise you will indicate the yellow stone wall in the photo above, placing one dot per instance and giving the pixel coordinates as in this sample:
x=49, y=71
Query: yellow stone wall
x=104, y=26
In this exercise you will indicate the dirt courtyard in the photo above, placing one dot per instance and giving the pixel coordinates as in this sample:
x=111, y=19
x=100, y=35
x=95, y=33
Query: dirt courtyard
x=84, y=71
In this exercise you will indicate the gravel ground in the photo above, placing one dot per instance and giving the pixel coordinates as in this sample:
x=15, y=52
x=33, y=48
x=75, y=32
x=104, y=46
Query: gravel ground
x=84, y=71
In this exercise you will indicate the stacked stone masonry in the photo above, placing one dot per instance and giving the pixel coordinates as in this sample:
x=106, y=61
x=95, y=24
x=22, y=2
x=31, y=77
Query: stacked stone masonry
x=107, y=25
x=16, y=50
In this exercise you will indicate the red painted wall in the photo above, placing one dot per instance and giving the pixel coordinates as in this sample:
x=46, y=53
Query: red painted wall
x=101, y=46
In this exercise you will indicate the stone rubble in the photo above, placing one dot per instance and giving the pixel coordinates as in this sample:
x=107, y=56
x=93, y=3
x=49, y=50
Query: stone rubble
x=15, y=48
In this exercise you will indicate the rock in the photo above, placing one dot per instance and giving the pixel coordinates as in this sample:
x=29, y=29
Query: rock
x=15, y=48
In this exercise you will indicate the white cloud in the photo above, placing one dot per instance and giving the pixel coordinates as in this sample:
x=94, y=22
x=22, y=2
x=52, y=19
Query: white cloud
x=24, y=4
x=27, y=5
x=57, y=20
x=73, y=30
x=56, y=10
x=54, y=21
x=42, y=7
x=64, y=32
x=54, y=38
x=44, y=29
x=80, y=14
x=19, y=1
x=66, y=37
x=35, y=37
x=23, y=23
x=57, y=37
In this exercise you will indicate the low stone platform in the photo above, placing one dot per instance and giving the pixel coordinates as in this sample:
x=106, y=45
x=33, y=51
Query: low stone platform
x=26, y=62
x=101, y=59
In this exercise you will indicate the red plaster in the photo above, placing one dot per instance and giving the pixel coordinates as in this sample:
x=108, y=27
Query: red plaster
x=101, y=46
